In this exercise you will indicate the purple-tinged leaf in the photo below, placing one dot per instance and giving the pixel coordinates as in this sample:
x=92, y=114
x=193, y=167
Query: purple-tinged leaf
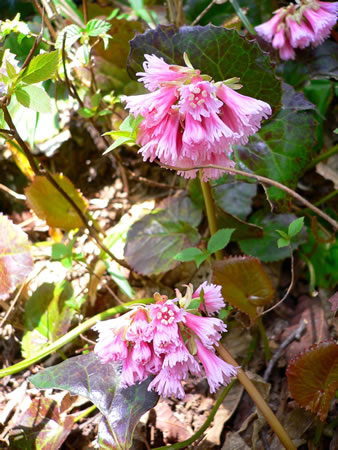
x=154, y=240
x=15, y=256
x=41, y=426
x=215, y=51
x=313, y=377
x=85, y=375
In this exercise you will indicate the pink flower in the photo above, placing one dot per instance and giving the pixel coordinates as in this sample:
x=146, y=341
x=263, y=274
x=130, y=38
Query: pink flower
x=111, y=348
x=189, y=120
x=167, y=383
x=213, y=299
x=308, y=22
x=218, y=372
x=131, y=370
x=158, y=73
x=207, y=329
x=139, y=330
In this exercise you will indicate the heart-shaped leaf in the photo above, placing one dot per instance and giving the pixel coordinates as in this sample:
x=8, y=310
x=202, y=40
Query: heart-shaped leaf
x=47, y=316
x=85, y=375
x=41, y=426
x=153, y=241
x=15, y=256
x=235, y=198
x=313, y=377
x=50, y=205
x=245, y=284
x=266, y=249
x=283, y=147
x=215, y=51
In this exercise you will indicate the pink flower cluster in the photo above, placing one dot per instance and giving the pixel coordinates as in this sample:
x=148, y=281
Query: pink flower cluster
x=169, y=339
x=189, y=120
x=309, y=22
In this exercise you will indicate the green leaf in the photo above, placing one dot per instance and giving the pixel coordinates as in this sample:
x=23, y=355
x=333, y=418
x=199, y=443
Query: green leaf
x=283, y=242
x=266, y=248
x=188, y=254
x=35, y=98
x=41, y=68
x=216, y=51
x=95, y=27
x=120, y=279
x=86, y=112
x=46, y=317
x=220, y=240
x=313, y=377
x=127, y=133
x=295, y=226
x=73, y=34
x=11, y=72
x=122, y=409
x=151, y=246
x=284, y=146
x=245, y=284
x=284, y=235
x=195, y=303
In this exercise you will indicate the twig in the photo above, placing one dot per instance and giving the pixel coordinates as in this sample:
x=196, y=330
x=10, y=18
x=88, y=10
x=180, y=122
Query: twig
x=85, y=11
x=16, y=298
x=41, y=11
x=12, y=193
x=262, y=180
x=295, y=335
x=32, y=50
x=288, y=290
x=199, y=17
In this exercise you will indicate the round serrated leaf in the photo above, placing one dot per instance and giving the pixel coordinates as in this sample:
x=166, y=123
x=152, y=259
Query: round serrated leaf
x=313, y=377
x=245, y=284
x=215, y=51
x=49, y=204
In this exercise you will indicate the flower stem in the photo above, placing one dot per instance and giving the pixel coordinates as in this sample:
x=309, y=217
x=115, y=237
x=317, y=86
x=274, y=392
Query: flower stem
x=267, y=351
x=259, y=401
x=210, y=208
x=184, y=444
x=333, y=150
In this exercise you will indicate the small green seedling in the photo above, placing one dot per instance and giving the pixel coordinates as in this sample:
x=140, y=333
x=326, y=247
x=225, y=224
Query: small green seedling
x=294, y=228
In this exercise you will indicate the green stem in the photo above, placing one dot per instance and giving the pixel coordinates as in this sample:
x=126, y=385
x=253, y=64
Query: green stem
x=267, y=351
x=206, y=424
x=209, y=206
x=322, y=157
x=243, y=17
x=75, y=332
x=85, y=413
x=312, y=274
x=258, y=399
x=318, y=433
x=326, y=197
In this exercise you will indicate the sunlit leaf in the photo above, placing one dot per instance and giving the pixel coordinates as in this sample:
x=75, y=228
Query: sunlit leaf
x=85, y=375
x=41, y=426
x=313, y=377
x=266, y=248
x=49, y=204
x=216, y=51
x=245, y=284
x=34, y=97
x=15, y=256
x=95, y=27
x=41, y=68
x=47, y=316
x=153, y=241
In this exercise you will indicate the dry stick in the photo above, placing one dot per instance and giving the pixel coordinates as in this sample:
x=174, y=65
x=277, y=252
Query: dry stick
x=258, y=399
x=199, y=17
x=50, y=178
x=85, y=11
x=41, y=11
x=12, y=193
x=32, y=50
x=262, y=180
x=295, y=335
x=16, y=298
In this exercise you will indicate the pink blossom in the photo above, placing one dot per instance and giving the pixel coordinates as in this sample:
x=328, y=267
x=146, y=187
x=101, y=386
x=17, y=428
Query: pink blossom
x=218, y=372
x=167, y=383
x=139, y=330
x=132, y=371
x=213, y=300
x=308, y=22
x=188, y=120
x=111, y=348
x=157, y=73
x=207, y=329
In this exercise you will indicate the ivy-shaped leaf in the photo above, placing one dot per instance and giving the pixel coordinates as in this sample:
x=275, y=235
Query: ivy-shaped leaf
x=245, y=284
x=313, y=377
x=215, y=51
x=15, y=256
x=85, y=375
x=50, y=205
